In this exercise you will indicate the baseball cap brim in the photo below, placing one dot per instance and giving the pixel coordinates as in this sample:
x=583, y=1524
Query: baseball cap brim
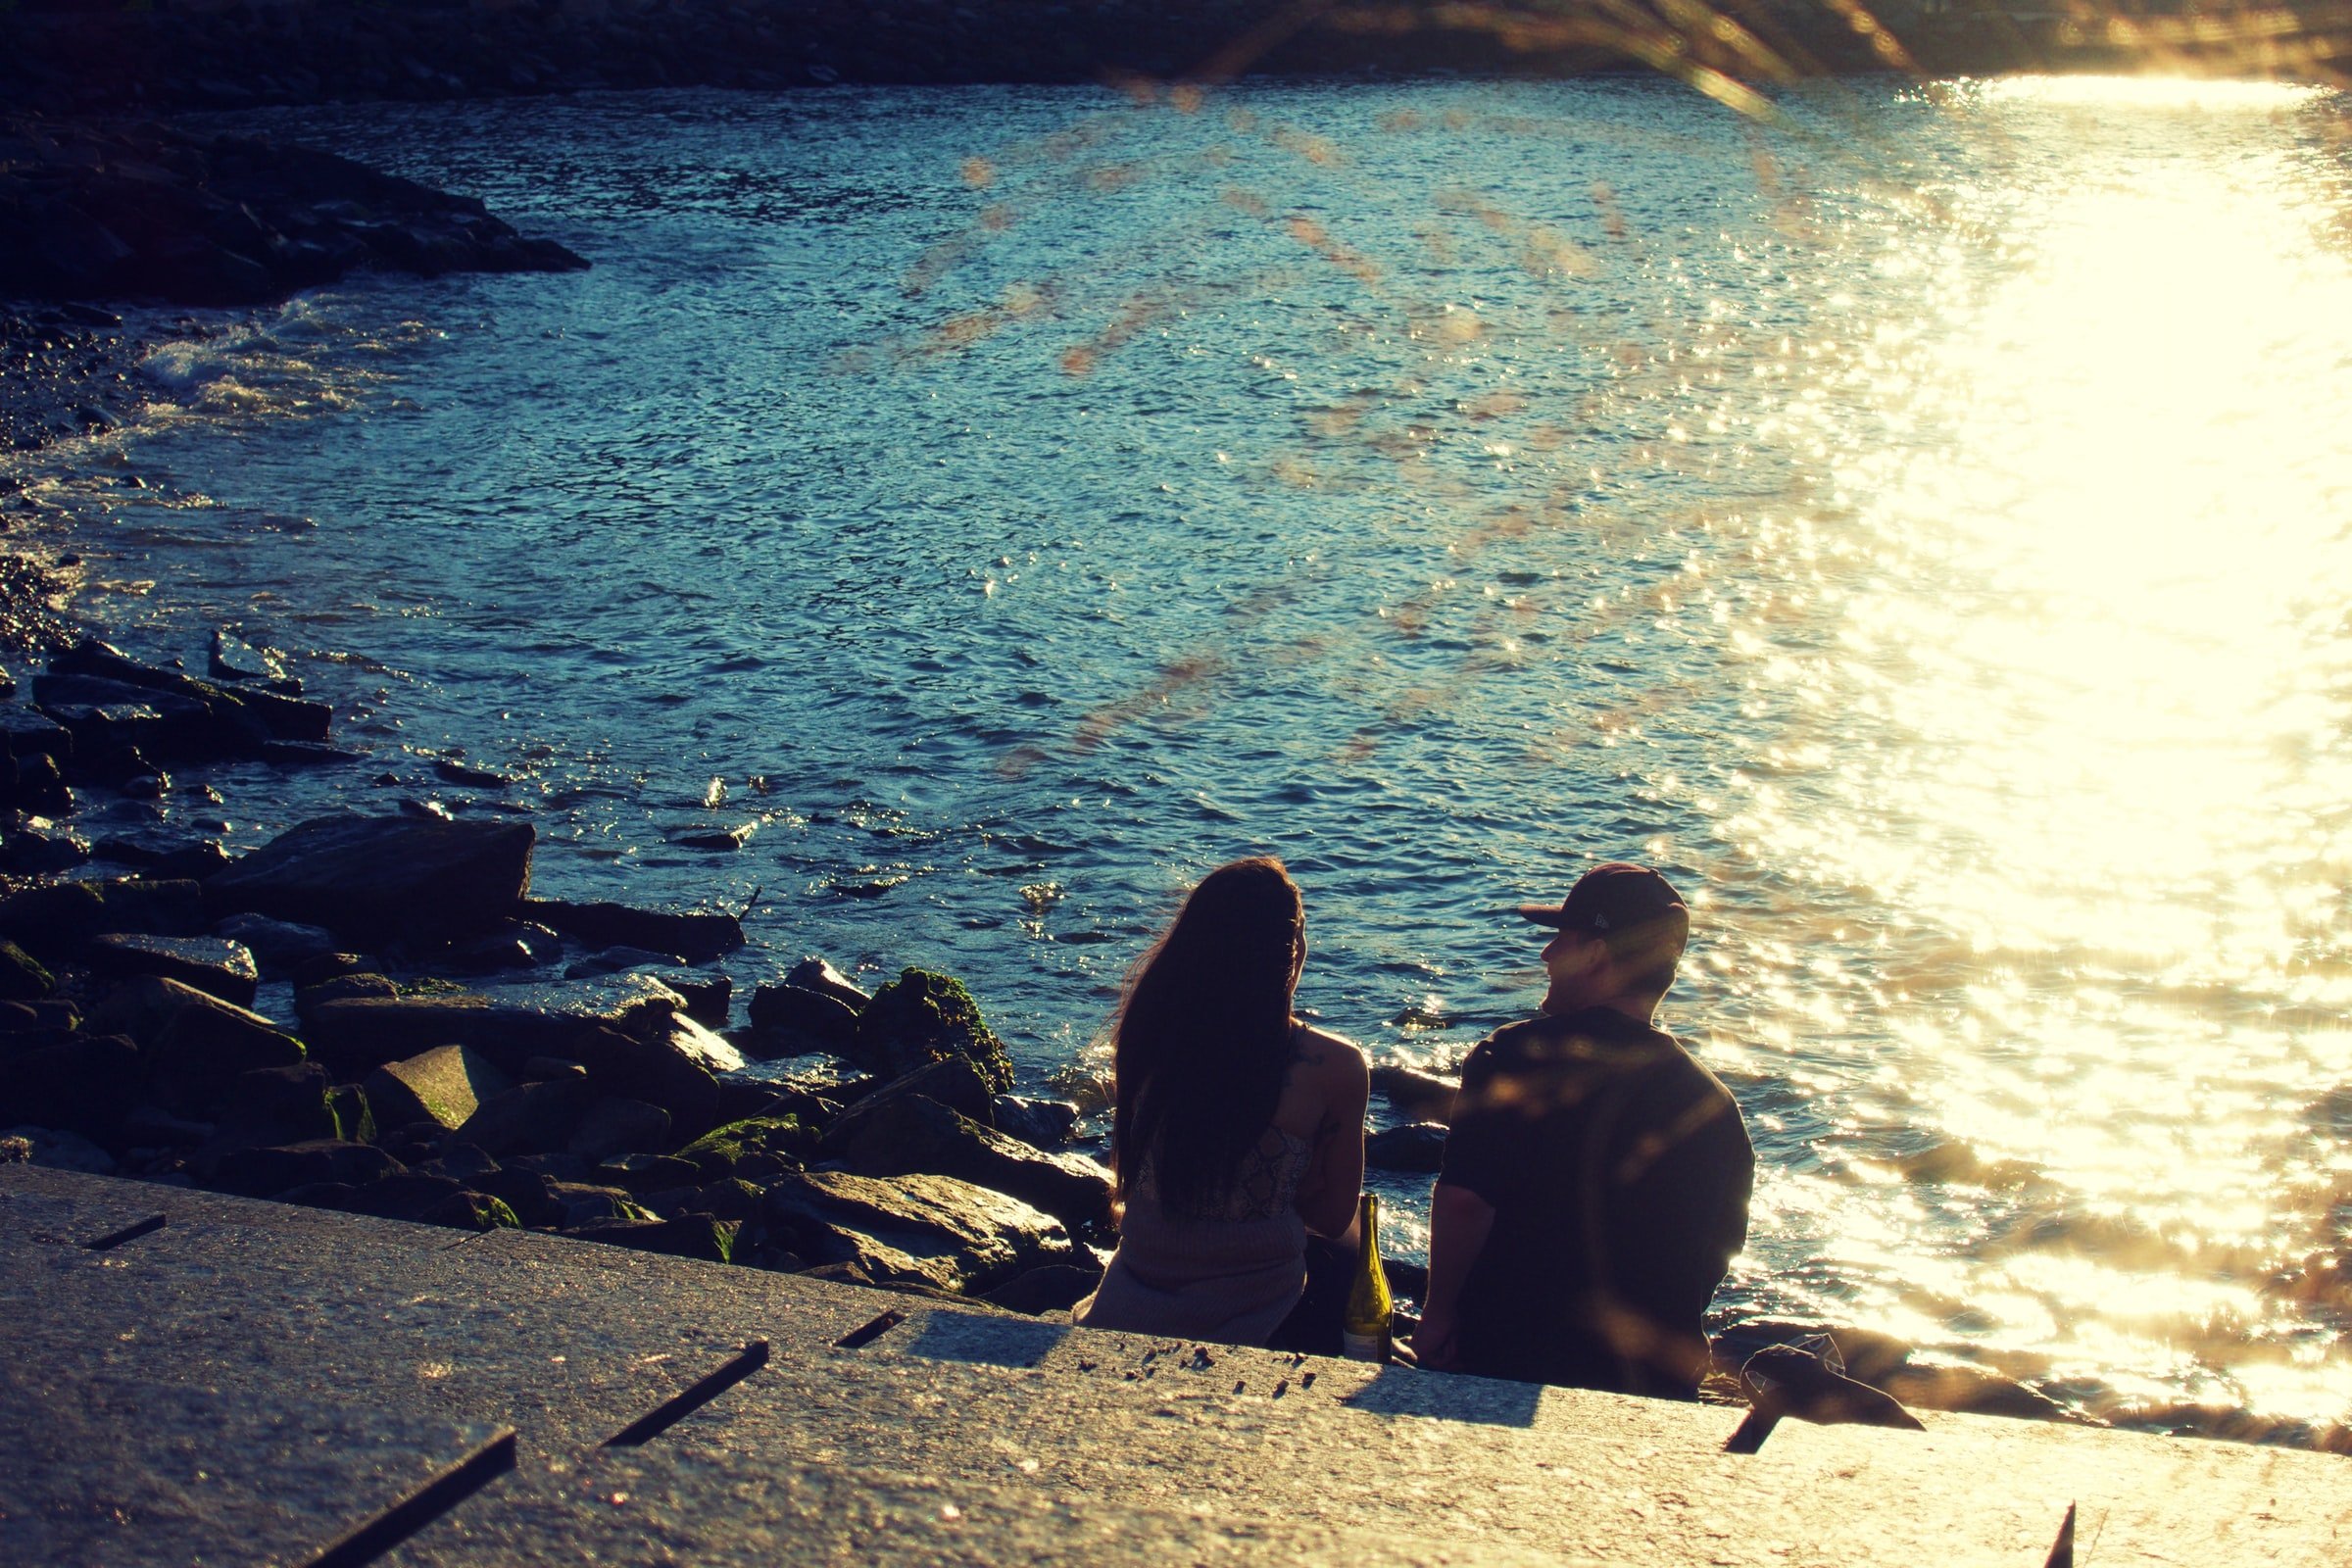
x=1550, y=915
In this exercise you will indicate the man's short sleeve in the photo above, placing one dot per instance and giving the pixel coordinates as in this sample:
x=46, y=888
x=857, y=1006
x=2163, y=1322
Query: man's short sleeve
x=1486, y=1145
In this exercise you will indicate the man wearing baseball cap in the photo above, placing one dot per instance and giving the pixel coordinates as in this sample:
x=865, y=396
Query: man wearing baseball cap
x=1596, y=1178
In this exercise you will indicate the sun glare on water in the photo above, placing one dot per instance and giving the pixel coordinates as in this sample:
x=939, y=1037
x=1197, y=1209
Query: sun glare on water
x=2088, y=693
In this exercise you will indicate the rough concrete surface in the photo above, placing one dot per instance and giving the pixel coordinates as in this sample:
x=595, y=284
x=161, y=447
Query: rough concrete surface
x=335, y=1363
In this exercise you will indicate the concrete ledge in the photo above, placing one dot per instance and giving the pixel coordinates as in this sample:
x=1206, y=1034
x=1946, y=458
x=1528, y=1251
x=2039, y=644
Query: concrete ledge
x=354, y=1390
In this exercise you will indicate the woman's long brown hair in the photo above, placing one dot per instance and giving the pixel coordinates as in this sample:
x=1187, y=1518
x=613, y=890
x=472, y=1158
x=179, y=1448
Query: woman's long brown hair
x=1202, y=1038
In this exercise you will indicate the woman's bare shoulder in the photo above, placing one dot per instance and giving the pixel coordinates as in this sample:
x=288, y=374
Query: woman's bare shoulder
x=1324, y=1053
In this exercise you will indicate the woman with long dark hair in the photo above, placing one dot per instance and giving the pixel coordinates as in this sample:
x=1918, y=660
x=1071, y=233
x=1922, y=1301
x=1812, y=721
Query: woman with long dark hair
x=1238, y=1130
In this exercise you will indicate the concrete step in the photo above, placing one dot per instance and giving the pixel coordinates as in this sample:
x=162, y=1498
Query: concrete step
x=332, y=1366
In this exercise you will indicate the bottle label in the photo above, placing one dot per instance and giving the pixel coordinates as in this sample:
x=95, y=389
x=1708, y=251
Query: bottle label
x=1364, y=1346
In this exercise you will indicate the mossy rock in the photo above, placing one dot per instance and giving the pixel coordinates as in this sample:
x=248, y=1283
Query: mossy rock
x=921, y=1018
x=22, y=978
x=746, y=1151
x=355, y=1119
x=473, y=1211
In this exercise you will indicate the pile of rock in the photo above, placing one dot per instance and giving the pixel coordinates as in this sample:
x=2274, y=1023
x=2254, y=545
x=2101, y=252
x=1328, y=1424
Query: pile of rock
x=461, y=1053
x=142, y=212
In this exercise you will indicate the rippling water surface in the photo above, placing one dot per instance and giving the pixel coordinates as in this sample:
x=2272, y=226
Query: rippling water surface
x=1920, y=525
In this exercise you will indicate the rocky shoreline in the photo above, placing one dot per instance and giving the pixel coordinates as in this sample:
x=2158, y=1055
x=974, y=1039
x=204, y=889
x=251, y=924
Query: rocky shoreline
x=443, y=1045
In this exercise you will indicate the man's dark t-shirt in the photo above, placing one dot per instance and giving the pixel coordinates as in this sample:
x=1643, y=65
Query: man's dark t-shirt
x=1619, y=1173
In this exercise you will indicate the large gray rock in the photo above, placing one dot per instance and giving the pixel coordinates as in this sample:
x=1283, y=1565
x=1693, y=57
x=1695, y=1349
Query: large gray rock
x=910, y=1134
x=196, y=1045
x=385, y=878
x=446, y=1086
x=272, y=1108
x=240, y=719
x=919, y=1230
x=213, y=965
x=528, y=1119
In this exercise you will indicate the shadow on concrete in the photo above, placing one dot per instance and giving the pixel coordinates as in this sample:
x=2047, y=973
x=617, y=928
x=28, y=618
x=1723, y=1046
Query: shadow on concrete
x=985, y=1341
x=1489, y=1402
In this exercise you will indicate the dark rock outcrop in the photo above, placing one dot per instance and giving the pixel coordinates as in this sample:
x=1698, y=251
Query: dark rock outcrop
x=932, y=1231
x=910, y=1134
x=923, y=1017
x=145, y=212
x=1418, y=1147
x=384, y=878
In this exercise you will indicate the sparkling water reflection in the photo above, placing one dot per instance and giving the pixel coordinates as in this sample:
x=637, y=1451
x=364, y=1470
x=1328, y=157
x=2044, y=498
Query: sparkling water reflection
x=1919, y=525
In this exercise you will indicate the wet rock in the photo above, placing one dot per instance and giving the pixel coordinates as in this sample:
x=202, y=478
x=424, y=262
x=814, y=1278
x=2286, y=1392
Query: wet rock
x=706, y=996
x=278, y=946
x=444, y=1086
x=931, y=1231
x=27, y=733
x=213, y=965
x=189, y=862
x=695, y=1236
x=310, y=1000
x=234, y=659
x=614, y=961
x=749, y=1151
x=613, y=1126
x=1419, y=1147
x=515, y=945
x=532, y=1118
x=240, y=720
x=324, y=966
x=1423, y=1097
x=40, y=846
x=696, y=937
x=910, y=1134
x=925, y=1017
x=38, y=784
x=83, y=1084
x=451, y=771
x=21, y=977
x=721, y=840
x=1040, y=1123
x=813, y=973
x=263, y=1172
x=110, y=715
x=1055, y=1288
x=377, y=879
x=794, y=1020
